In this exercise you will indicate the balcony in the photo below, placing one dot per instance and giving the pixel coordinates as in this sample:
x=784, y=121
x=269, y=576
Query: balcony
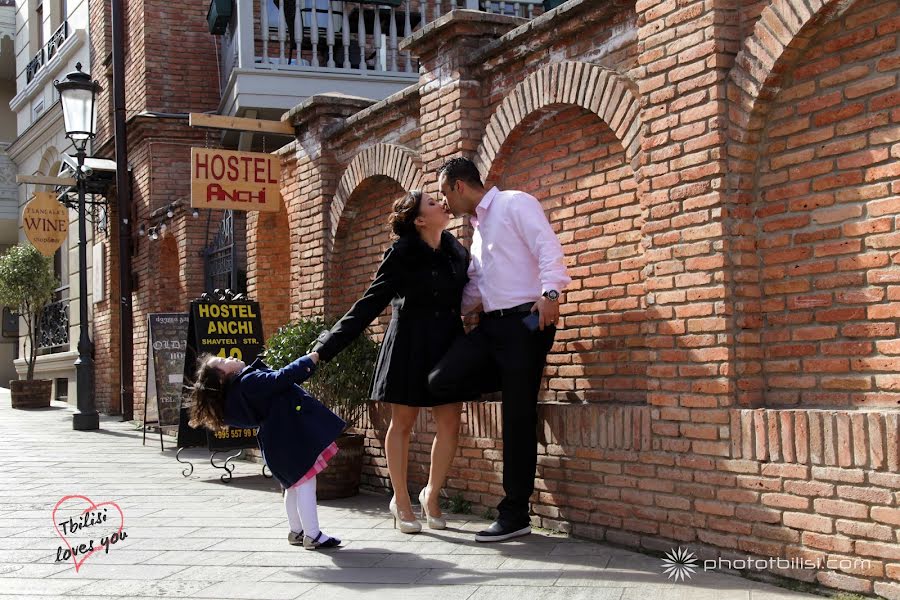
x=273, y=59
x=47, y=53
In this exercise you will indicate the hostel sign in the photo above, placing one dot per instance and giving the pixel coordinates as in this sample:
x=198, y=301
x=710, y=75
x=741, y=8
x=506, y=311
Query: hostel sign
x=46, y=222
x=235, y=180
x=230, y=328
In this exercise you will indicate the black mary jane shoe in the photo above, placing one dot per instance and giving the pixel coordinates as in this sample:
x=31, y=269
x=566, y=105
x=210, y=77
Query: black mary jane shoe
x=314, y=544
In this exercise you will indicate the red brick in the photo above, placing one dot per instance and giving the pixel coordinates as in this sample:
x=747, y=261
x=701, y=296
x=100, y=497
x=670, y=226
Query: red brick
x=807, y=522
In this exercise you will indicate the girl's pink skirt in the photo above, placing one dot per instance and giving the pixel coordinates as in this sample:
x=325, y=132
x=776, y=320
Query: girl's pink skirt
x=320, y=464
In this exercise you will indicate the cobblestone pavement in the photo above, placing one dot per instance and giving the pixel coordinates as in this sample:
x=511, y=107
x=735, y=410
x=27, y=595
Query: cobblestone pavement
x=196, y=537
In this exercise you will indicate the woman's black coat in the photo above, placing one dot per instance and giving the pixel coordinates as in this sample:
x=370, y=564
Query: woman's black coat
x=424, y=288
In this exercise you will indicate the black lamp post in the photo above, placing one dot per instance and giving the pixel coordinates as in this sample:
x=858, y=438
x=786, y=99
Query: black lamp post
x=78, y=94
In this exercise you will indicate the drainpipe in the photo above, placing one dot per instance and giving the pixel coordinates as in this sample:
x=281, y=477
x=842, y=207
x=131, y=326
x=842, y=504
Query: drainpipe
x=123, y=198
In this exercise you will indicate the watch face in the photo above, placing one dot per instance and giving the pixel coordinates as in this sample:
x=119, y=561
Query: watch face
x=552, y=294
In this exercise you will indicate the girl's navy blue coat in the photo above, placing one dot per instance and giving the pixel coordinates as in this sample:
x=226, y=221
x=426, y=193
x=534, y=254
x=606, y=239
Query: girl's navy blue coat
x=294, y=427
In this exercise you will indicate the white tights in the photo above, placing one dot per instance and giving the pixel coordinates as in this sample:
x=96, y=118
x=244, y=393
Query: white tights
x=300, y=504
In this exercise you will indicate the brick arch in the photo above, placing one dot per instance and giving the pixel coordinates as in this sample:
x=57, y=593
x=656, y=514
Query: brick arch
x=602, y=91
x=390, y=160
x=777, y=39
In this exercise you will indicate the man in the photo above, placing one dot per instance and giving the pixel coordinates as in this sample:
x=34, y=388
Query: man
x=516, y=274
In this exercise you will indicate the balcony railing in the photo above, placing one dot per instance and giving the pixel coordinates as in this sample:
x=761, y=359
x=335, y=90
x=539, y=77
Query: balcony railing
x=350, y=37
x=48, y=51
x=53, y=330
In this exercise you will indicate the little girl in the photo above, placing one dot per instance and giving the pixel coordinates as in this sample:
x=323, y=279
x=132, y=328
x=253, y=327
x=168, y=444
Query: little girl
x=296, y=431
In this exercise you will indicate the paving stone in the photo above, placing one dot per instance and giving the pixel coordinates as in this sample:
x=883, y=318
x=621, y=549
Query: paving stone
x=348, y=575
x=353, y=591
x=257, y=590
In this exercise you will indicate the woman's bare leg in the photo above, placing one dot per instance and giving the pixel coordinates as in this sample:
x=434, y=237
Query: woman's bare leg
x=396, y=446
x=443, y=451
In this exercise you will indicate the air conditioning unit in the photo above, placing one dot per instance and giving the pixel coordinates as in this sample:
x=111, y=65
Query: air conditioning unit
x=219, y=15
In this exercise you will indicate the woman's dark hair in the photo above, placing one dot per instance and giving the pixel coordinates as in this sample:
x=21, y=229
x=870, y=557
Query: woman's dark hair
x=208, y=395
x=404, y=213
x=461, y=169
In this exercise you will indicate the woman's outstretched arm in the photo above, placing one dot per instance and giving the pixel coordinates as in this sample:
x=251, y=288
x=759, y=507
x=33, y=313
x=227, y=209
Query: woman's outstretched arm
x=386, y=284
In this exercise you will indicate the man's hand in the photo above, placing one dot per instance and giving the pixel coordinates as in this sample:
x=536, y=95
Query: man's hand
x=548, y=311
x=313, y=356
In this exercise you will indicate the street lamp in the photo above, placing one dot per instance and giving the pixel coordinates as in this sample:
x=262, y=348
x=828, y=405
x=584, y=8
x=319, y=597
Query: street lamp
x=78, y=95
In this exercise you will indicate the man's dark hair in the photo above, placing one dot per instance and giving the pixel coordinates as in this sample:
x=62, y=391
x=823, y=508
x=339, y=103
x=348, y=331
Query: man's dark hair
x=461, y=169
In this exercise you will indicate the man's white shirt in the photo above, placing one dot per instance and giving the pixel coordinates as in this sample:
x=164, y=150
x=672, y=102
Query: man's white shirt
x=516, y=256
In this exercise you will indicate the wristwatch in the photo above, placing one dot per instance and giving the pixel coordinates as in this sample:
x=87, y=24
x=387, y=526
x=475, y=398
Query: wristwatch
x=551, y=295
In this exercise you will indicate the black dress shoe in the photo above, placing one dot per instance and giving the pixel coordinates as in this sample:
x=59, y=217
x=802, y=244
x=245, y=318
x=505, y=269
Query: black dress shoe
x=502, y=530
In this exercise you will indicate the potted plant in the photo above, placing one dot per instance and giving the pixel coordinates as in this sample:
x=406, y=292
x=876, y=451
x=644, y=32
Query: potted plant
x=26, y=287
x=342, y=384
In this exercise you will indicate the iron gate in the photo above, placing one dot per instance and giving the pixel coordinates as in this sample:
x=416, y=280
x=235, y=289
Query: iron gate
x=223, y=266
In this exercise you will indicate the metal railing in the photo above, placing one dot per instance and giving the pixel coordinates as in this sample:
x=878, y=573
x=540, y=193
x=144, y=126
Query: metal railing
x=53, y=328
x=354, y=37
x=47, y=52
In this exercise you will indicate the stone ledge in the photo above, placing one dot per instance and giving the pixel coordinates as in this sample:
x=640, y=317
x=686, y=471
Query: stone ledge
x=326, y=104
x=379, y=107
x=567, y=10
x=429, y=37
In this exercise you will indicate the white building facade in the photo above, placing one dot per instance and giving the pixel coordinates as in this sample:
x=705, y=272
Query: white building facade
x=51, y=37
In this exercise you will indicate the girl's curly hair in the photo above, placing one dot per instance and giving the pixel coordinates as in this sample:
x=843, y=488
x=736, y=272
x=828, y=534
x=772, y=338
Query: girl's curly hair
x=208, y=395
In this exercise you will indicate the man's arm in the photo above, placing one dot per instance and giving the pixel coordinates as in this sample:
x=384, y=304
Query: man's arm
x=533, y=226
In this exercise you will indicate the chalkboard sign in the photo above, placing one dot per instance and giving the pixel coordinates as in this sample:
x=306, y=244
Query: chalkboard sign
x=166, y=344
x=224, y=327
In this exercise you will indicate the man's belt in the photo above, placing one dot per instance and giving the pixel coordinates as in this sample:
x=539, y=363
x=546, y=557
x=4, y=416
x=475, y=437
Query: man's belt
x=515, y=310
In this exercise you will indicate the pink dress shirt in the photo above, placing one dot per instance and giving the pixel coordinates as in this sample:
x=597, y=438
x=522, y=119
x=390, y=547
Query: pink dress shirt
x=515, y=254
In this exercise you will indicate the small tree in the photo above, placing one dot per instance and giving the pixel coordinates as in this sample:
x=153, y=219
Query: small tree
x=27, y=283
x=342, y=383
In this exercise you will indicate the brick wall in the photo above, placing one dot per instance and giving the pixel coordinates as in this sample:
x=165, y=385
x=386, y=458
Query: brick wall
x=572, y=160
x=360, y=242
x=723, y=176
x=824, y=219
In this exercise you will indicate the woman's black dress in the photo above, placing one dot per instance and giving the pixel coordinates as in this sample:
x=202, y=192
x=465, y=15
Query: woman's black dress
x=424, y=288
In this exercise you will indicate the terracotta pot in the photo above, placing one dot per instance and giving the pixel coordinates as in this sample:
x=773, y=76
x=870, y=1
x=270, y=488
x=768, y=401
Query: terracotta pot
x=31, y=394
x=341, y=478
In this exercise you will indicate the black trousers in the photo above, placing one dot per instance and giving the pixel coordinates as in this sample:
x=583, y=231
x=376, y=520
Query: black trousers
x=502, y=354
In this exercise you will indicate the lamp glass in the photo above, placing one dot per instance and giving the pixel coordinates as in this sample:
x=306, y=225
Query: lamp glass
x=78, y=112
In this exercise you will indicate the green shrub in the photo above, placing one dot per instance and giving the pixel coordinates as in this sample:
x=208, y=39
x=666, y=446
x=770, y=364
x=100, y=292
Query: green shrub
x=27, y=284
x=343, y=384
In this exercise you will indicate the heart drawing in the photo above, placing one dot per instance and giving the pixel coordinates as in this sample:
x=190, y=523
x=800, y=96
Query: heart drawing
x=96, y=514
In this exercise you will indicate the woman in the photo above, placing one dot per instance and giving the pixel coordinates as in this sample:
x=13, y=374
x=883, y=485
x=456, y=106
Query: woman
x=421, y=276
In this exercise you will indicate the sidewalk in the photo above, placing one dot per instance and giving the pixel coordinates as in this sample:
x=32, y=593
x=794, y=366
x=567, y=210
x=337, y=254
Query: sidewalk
x=198, y=538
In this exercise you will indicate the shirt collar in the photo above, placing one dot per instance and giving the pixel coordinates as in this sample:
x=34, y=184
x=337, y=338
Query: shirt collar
x=486, y=200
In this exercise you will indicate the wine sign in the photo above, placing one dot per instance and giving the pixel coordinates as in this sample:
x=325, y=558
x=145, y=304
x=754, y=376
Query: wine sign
x=46, y=222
